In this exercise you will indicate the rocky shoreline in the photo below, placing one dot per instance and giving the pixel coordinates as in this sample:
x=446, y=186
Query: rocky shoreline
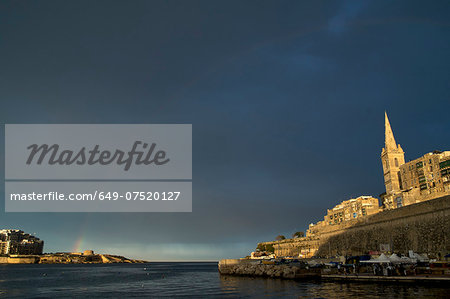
x=234, y=267
x=67, y=258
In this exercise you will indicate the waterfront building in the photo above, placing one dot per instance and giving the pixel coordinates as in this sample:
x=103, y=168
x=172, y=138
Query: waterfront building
x=406, y=183
x=419, y=180
x=14, y=241
x=352, y=209
x=348, y=210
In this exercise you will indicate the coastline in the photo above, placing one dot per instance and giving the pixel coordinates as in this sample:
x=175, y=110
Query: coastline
x=66, y=258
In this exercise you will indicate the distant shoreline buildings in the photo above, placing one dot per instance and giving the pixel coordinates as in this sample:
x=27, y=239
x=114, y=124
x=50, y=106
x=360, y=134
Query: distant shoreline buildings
x=17, y=242
x=18, y=247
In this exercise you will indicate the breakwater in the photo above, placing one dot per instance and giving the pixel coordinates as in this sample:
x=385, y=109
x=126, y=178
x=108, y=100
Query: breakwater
x=254, y=268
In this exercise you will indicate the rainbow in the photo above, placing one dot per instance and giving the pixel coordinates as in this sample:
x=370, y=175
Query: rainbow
x=77, y=245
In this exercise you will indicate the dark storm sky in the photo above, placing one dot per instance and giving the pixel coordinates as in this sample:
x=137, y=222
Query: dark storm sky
x=286, y=98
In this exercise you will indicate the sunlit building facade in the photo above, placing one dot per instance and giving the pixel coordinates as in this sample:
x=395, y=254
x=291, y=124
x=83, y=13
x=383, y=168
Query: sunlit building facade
x=348, y=210
x=14, y=241
x=419, y=180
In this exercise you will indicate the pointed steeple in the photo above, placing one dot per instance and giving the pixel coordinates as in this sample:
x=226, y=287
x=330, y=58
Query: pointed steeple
x=389, y=140
x=392, y=157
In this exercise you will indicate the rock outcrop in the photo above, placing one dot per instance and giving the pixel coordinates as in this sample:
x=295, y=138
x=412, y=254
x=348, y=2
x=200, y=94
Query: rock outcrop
x=255, y=268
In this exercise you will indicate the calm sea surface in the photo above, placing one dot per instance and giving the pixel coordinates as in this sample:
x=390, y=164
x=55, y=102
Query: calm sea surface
x=181, y=280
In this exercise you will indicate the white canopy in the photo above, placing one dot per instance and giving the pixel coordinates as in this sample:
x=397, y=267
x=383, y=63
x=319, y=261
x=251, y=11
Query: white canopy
x=381, y=259
x=418, y=257
x=395, y=258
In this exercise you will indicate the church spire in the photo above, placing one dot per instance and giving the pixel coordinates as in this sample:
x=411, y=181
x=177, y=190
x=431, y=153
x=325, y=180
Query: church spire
x=389, y=140
x=392, y=157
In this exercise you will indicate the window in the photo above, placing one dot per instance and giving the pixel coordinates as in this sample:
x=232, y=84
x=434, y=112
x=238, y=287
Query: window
x=444, y=164
x=395, y=162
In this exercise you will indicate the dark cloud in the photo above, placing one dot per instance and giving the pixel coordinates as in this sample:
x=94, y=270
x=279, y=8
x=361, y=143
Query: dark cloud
x=286, y=99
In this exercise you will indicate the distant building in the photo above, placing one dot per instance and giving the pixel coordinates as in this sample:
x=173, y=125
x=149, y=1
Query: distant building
x=352, y=209
x=347, y=210
x=422, y=179
x=14, y=241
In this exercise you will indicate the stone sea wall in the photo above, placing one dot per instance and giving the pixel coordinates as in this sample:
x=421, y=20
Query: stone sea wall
x=423, y=227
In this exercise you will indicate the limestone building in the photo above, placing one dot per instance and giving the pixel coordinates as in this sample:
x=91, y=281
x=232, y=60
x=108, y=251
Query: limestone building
x=392, y=156
x=14, y=241
x=422, y=179
x=352, y=209
x=346, y=211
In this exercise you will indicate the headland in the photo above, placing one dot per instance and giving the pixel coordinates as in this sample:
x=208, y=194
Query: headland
x=67, y=258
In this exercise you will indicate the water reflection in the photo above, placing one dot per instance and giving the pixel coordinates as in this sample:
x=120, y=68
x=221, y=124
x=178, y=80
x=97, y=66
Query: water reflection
x=257, y=287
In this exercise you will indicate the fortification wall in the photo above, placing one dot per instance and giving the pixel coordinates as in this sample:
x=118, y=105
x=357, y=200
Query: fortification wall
x=306, y=246
x=422, y=227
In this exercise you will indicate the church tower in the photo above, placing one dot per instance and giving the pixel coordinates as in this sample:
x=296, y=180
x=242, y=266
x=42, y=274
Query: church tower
x=392, y=156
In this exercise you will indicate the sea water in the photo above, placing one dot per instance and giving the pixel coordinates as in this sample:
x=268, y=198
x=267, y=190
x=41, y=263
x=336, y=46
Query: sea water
x=196, y=280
